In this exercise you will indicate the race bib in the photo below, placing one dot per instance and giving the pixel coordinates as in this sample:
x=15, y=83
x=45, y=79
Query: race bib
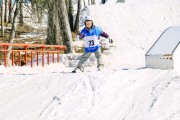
x=91, y=41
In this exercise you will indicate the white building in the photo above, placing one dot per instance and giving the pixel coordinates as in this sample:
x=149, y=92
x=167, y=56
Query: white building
x=165, y=52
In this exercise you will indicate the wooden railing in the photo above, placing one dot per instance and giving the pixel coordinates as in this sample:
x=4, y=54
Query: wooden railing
x=36, y=49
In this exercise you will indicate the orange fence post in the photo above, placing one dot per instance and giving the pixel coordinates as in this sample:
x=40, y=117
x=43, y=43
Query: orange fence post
x=53, y=57
x=37, y=58
x=58, y=57
x=26, y=47
x=31, y=59
x=12, y=57
x=43, y=47
x=5, y=55
x=48, y=61
x=19, y=58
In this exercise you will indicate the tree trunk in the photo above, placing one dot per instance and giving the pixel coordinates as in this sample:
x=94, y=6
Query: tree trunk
x=10, y=11
x=64, y=25
x=51, y=27
x=57, y=33
x=103, y=1
x=39, y=13
x=84, y=3
x=6, y=10
x=38, y=7
x=13, y=29
x=123, y=1
x=93, y=2
x=70, y=14
x=53, y=31
x=67, y=5
x=2, y=18
x=33, y=6
x=76, y=26
x=21, y=21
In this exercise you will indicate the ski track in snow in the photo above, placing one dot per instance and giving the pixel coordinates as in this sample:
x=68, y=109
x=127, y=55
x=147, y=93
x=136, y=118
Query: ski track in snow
x=106, y=91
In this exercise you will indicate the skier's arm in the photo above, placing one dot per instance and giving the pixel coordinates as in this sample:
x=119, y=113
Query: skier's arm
x=103, y=34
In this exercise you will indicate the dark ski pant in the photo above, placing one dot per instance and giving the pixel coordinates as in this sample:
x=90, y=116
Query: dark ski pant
x=85, y=56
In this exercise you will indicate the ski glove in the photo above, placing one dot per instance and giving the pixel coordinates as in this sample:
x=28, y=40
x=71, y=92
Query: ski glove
x=110, y=40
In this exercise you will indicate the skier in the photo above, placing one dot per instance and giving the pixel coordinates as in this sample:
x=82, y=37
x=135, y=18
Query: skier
x=91, y=36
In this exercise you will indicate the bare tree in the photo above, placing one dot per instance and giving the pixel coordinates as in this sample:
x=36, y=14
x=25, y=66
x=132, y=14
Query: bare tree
x=51, y=27
x=103, y=1
x=84, y=3
x=21, y=20
x=93, y=2
x=10, y=11
x=70, y=13
x=76, y=26
x=123, y=1
x=64, y=25
x=2, y=18
x=6, y=10
x=38, y=7
x=67, y=5
x=13, y=29
x=58, y=37
x=53, y=31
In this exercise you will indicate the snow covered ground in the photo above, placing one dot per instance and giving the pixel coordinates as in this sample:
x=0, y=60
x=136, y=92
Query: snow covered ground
x=124, y=90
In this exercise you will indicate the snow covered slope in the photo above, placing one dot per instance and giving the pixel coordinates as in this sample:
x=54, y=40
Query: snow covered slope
x=124, y=90
x=131, y=94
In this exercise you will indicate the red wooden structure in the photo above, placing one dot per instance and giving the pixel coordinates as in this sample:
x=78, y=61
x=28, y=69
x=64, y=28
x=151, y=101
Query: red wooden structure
x=42, y=50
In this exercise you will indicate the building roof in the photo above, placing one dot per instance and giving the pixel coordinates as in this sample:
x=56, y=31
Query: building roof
x=167, y=42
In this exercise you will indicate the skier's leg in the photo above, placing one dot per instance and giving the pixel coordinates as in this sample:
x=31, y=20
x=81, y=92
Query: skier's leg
x=83, y=59
x=99, y=59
